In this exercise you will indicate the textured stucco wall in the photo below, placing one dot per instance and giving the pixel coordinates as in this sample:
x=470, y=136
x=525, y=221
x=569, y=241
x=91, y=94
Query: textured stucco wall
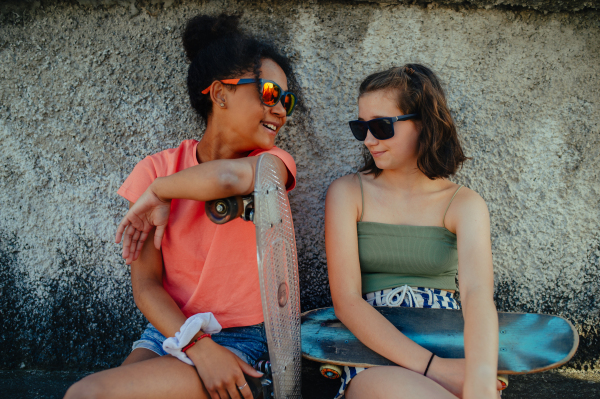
x=88, y=88
x=539, y=5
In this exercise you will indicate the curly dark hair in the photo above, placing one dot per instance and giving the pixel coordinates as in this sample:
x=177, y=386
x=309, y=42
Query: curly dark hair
x=217, y=49
x=419, y=91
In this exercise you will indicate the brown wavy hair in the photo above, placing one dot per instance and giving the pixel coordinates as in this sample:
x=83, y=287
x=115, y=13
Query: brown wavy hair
x=419, y=91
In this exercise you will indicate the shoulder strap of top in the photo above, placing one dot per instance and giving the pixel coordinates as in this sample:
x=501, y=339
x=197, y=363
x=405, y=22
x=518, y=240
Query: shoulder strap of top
x=362, y=197
x=448, y=207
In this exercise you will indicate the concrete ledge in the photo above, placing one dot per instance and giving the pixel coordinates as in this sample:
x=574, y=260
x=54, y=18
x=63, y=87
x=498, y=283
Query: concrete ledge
x=564, y=384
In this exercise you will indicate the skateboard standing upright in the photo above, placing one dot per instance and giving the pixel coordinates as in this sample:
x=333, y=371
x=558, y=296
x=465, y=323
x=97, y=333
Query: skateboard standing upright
x=269, y=209
x=528, y=342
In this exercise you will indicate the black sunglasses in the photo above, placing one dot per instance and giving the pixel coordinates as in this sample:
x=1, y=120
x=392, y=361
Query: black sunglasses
x=381, y=128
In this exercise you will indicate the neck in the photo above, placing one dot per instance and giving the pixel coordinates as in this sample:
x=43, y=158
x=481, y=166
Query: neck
x=408, y=178
x=215, y=145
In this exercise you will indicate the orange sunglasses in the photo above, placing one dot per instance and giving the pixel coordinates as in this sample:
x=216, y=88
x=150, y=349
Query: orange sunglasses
x=270, y=92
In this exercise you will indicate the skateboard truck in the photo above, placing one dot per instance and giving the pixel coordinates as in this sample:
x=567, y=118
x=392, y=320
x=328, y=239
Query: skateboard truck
x=224, y=210
x=262, y=388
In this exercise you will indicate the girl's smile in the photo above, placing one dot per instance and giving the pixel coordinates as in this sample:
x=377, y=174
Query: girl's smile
x=377, y=154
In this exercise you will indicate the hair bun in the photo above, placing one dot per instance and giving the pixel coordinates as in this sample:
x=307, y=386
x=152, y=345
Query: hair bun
x=202, y=30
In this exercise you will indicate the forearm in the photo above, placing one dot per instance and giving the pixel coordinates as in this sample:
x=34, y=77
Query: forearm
x=159, y=308
x=207, y=181
x=363, y=320
x=149, y=294
x=481, y=341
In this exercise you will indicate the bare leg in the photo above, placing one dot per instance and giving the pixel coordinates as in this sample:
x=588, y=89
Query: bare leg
x=158, y=377
x=139, y=355
x=394, y=382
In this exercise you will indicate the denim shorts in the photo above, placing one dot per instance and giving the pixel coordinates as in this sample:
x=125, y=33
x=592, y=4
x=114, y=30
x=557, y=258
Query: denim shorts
x=249, y=343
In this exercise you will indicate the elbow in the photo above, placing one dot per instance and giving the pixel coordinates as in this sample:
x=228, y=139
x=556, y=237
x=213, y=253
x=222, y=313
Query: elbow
x=337, y=310
x=138, y=295
x=137, y=299
x=337, y=305
x=142, y=289
x=339, y=313
x=343, y=309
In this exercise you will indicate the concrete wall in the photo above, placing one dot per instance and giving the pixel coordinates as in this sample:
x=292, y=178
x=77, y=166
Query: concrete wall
x=88, y=88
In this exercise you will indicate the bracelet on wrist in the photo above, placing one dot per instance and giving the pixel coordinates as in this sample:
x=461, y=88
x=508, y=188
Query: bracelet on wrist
x=200, y=323
x=428, y=364
x=194, y=342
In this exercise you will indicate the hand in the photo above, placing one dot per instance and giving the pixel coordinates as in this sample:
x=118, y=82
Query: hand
x=148, y=211
x=483, y=384
x=450, y=374
x=221, y=371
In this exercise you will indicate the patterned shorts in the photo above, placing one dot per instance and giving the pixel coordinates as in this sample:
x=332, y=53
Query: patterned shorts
x=405, y=296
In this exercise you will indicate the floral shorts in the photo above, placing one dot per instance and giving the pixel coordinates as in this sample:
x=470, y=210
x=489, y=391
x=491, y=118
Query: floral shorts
x=405, y=296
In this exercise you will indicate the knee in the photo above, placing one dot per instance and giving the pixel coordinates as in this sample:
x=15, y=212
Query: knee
x=86, y=388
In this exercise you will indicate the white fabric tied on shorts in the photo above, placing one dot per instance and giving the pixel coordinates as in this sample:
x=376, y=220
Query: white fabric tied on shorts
x=201, y=321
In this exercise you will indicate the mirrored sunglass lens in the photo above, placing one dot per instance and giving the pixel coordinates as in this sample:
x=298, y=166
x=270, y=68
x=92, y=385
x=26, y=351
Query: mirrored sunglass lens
x=359, y=130
x=270, y=93
x=289, y=103
x=382, y=128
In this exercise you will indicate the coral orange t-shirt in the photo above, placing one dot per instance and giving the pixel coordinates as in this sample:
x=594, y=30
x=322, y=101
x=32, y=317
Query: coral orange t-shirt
x=207, y=267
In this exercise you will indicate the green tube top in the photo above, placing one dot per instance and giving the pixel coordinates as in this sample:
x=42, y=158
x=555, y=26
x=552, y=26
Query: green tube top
x=394, y=255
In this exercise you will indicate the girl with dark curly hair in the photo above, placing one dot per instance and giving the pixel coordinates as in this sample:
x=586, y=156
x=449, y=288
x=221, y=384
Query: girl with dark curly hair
x=396, y=233
x=198, y=284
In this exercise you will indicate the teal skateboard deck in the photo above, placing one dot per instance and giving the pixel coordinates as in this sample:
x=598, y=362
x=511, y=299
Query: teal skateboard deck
x=528, y=343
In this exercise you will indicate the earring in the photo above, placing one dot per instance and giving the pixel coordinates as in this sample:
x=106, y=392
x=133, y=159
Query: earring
x=222, y=105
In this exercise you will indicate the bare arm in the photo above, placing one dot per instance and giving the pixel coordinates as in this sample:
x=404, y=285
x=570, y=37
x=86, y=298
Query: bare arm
x=471, y=218
x=212, y=180
x=207, y=181
x=220, y=370
x=342, y=211
x=149, y=294
x=341, y=242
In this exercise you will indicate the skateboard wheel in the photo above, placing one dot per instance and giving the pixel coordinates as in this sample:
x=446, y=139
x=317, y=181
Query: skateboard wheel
x=503, y=378
x=224, y=210
x=331, y=371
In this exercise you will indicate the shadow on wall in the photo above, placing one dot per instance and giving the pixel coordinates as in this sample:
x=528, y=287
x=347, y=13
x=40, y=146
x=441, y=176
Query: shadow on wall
x=67, y=325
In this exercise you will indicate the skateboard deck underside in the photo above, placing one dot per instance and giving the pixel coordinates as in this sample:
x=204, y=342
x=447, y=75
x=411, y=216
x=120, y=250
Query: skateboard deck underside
x=528, y=342
x=278, y=275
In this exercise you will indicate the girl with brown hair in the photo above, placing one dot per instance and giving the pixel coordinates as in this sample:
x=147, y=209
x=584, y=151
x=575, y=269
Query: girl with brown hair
x=396, y=233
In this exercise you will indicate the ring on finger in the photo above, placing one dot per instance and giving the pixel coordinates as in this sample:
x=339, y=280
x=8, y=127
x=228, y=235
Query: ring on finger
x=242, y=387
